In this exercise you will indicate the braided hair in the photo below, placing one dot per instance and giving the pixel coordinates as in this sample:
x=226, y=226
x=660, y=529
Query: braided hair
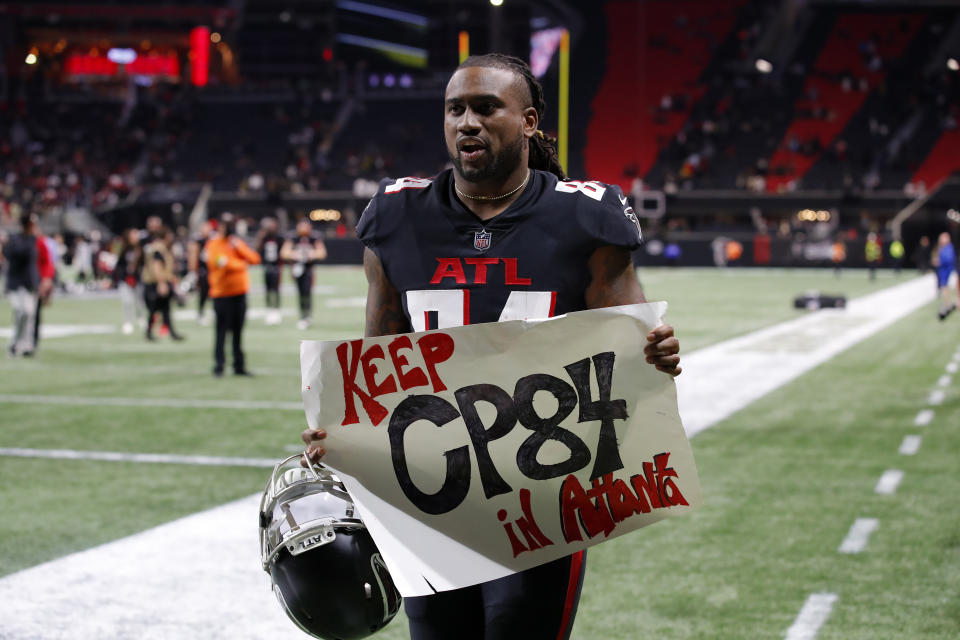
x=543, y=148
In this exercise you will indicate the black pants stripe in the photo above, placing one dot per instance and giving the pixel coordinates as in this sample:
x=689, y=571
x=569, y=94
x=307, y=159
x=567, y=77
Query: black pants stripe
x=271, y=281
x=203, y=290
x=231, y=313
x=304, y=288
x=536, y=604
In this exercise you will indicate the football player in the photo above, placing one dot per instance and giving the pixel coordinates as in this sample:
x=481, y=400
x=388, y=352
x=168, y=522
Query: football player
x=503, y=235
x=269, y=242
x=197, y=266
x=304, y=249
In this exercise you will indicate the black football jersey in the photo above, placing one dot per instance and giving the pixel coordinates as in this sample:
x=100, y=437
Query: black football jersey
x=270, y=249
x=303, y=247
x=530, y=261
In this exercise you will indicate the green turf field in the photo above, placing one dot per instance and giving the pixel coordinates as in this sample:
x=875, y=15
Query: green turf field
x=783, y=480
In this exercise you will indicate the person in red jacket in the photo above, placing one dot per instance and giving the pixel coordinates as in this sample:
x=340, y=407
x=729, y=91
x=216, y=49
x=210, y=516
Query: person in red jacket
x=47, y=268
x=227, y=259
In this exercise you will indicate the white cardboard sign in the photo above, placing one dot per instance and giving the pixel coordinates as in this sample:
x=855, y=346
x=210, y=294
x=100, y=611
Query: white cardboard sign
x=474, y=452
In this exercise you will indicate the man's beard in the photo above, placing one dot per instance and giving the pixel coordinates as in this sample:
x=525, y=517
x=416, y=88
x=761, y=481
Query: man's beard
x=499, y=166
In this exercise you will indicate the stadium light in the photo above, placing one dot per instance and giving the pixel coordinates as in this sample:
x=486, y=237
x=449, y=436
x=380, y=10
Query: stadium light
x=496, y=3
x=953, y=65
x=764, y=66
x=214, y=37
x=31, y=58
x=121, y=55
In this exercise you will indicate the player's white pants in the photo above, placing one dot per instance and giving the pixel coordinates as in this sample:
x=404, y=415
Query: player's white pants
x=132, y=302
x=24, y=304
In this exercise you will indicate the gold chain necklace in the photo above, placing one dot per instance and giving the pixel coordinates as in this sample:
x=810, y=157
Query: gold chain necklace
x=501, y=197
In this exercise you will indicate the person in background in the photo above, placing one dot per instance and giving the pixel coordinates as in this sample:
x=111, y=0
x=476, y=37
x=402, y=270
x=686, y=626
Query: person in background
x=896, y=252
x=178, y=252
x=82, y=259
x=945, y=262
x=47, y=268
x=158, y=282
x=269, y=243
x=873, y=252
x=838, y=254
x=227, y=260
x=197, y=267
x=23, y=280
x=302, y=251
x=921, y=255
x=126, y=277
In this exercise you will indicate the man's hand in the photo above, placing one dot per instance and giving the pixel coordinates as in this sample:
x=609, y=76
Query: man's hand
x=45, y=289
x=662, y=350
x=312, y=438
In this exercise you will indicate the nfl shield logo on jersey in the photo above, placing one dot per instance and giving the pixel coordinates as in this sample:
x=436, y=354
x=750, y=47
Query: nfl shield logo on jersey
x=481, y=240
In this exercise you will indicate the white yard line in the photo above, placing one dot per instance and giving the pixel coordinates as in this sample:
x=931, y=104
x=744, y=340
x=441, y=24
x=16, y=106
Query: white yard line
x=814, y=613
x=859, y=535
x=952, y=367
x=204, y=578
x=936, y=397
x=169, y=403
x=923, y=418
x=910, y=445
x=889, y=482
x=341, y=303
x=66, y=330
x=153, y=458
x=944, y=381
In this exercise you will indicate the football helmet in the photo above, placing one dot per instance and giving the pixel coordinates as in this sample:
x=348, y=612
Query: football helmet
x=325, y=568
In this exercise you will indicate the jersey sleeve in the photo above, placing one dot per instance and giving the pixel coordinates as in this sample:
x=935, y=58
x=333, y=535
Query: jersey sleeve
x=370, y=227
x=609, y=219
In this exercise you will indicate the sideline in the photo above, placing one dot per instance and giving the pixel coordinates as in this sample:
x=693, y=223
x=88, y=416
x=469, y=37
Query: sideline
x=200, y=576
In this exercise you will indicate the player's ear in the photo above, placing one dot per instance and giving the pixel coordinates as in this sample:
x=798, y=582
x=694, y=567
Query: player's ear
x=531, y=121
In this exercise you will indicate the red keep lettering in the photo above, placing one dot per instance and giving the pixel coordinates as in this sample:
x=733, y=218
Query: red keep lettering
x=374, y=409
x=413, y=378
x=389, y=385
x=435, y=348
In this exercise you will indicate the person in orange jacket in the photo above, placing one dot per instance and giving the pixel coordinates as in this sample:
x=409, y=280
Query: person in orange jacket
x=227, y=259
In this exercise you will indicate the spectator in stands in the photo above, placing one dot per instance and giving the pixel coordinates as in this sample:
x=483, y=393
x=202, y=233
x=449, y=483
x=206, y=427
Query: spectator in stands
x=158, y=280
x=302, y=251
x=227, y=259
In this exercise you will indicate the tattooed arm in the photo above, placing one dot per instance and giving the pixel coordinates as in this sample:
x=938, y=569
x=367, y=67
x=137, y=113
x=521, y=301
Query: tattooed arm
x=384, y=308
x=384, y=317
x=613, y=281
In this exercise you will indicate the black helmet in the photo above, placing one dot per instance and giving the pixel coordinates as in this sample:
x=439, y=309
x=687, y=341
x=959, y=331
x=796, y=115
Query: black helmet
x=325, y=568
